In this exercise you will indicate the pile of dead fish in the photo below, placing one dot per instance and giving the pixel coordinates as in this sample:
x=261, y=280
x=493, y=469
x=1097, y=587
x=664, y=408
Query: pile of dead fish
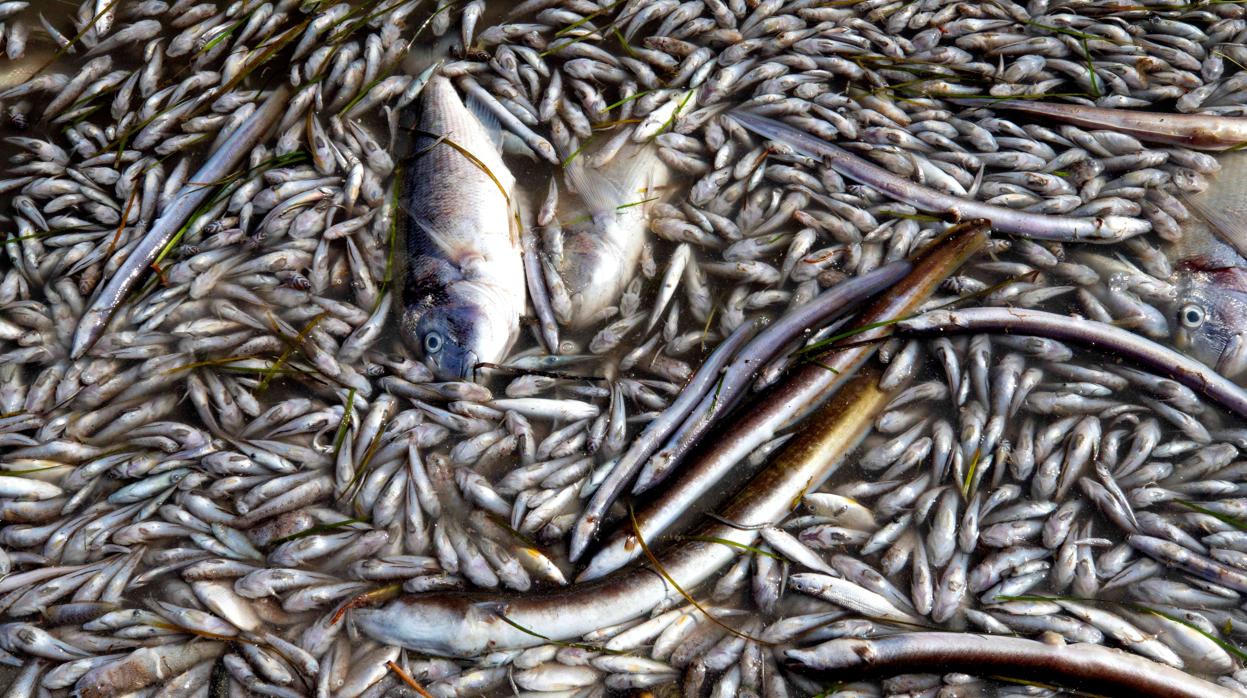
x=311, y=309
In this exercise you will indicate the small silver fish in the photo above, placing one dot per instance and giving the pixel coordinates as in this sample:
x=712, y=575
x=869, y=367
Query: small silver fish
x=465, y=288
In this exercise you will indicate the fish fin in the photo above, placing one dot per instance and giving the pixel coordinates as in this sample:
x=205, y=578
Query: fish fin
x=482, y=113
x=597, y=190
x=634, y=179
x=473, y=267
x=1233, y=359
x=430, y=240
x=1228, y=228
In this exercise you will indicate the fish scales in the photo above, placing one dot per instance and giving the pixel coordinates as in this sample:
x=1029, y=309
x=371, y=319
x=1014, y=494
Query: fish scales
x=465, y=288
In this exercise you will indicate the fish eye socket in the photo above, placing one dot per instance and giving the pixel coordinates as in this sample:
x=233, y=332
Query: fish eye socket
x=1191, y=316
x=432, y=342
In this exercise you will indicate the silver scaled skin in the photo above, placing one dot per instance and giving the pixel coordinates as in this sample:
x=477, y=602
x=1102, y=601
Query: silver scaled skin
x=465, y=288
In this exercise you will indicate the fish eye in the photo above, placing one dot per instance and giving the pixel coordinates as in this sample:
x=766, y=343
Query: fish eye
x=1191, y=316
x=432, y=342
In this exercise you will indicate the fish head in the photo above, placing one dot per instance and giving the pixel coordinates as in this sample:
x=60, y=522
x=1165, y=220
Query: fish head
x=1210, y=268
x=454, y=337
x=1209, y=310
x=435, y=624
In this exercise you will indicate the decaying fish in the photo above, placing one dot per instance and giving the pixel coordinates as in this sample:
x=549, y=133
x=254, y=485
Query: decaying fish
x=224, y=484
x=1210, y=306
x=465, y=288
x=599, y=257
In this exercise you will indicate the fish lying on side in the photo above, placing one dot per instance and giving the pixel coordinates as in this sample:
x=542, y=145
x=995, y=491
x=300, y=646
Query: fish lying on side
x=1210, y=308
x=599, y=256
x=465, y=288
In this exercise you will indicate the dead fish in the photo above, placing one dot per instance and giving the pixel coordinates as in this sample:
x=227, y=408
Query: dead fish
x=600, y=256
x=465, y=288
x=1210, y=306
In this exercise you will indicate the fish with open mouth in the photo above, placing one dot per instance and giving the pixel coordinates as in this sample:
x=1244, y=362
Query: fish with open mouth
x=465, y=287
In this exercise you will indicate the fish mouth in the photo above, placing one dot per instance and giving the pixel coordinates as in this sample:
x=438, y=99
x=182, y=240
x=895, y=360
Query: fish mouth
x=461, y=367
x=467, y=369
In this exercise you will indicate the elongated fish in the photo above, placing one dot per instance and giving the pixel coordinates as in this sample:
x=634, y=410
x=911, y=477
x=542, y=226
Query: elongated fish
x=465, y=289
x=600, y=253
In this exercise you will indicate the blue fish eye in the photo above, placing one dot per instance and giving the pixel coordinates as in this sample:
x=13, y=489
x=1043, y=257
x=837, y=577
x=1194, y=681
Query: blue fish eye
x=432, y=342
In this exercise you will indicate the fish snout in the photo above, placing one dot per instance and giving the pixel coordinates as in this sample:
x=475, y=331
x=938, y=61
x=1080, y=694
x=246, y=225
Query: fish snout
x=453, y=362
x=465, y=365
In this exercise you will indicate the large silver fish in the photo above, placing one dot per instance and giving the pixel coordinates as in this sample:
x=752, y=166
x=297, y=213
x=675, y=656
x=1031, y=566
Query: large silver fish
x=600, y=253
x=465, y=288
x=1210, y=308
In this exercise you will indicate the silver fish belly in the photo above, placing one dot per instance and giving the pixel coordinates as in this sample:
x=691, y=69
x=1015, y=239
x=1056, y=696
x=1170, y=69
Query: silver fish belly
x=465, y=289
